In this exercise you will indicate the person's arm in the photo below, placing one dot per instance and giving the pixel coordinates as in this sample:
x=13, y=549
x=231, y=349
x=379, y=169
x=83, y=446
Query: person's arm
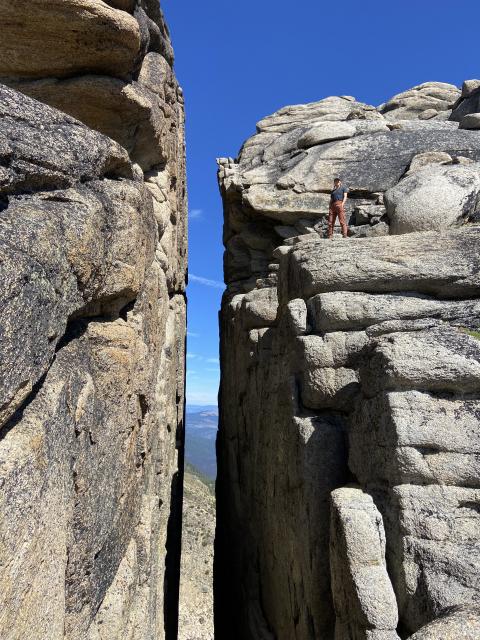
x=345, y=196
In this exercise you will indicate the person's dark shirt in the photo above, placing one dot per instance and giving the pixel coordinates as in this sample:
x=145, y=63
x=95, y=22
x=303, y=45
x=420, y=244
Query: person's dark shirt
x=338, y=193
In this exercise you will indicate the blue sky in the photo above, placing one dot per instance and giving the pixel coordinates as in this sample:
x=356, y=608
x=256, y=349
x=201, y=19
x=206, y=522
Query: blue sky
x=239, y=61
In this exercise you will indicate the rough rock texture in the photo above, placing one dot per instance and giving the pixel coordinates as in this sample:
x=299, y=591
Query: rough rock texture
x=363, y=595
x=470, y=121
x=468, y=102
x=196, y=583
x=351, y=361
x=434, y=197
x=426, y=101
x=92, y=325
x=456, y=623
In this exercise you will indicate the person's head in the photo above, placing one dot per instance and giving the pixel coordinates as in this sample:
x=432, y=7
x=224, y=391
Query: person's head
x=337, y=182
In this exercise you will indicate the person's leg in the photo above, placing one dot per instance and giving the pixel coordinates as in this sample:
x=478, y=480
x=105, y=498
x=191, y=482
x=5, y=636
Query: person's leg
x=342, y=220
x=332, y=216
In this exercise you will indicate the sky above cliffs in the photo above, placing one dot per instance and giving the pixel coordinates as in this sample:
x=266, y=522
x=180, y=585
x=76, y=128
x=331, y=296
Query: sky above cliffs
x=238, y=62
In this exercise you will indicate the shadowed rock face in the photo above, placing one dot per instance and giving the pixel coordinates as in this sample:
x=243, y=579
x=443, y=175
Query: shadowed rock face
x=348, y=472
x=92, y=315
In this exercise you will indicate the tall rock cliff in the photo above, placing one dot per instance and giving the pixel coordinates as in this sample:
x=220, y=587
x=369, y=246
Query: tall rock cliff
x=348, y=483
x=92, y=331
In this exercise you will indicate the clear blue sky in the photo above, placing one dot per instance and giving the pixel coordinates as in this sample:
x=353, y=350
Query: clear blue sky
x=239, y=61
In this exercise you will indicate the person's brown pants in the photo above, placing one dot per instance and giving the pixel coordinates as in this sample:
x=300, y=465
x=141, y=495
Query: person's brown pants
x=337, y=209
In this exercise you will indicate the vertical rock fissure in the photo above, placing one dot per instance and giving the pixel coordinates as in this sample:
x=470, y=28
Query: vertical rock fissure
x=172, y=558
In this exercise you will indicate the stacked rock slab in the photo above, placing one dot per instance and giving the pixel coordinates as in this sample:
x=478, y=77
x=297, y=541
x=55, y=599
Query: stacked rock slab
x=350, y=361
x=93, y=239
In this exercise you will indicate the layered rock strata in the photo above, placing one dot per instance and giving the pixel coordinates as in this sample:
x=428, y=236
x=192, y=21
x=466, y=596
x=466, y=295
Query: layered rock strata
x=93, y=322
x=347, y=491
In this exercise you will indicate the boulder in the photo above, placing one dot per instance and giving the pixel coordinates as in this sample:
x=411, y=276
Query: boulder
x=282, y=144
x=428, y=114
x=296, y=317
x=362, y=592
x=411, y=104
x=321, y=132
x=469, y=87
x=360, y=231
x=375, y=229
x=325, y=132
x=326, y=365
x=286, y=205
x=466, y=106
x=259, y=308
x=455, y=623
x=328, y=388
x=429, y=157
x=331, y=350
x=44, y=149
x=68, y=37
x=362, y=127
x=328, y=109
x=434, y=197
x=439, y=532
x=470, y=121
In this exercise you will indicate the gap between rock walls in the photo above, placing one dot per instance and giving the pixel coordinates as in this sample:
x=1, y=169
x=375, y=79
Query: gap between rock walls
x=347, y=500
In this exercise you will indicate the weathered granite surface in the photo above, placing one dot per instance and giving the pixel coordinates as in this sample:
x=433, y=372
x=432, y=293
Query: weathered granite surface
x=456, y=622
x=363, y=595
x=93, y=244
x=348, y=486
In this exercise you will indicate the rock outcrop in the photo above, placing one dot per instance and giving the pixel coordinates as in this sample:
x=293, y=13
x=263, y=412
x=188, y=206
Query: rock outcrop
x=92, y=230
x=348, y=472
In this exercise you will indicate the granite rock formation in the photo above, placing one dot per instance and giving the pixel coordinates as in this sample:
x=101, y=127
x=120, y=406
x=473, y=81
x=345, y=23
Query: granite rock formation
x=92, y=229
x=348, y=501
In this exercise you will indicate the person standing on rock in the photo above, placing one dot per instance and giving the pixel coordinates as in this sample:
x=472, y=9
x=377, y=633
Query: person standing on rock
x=338, y=198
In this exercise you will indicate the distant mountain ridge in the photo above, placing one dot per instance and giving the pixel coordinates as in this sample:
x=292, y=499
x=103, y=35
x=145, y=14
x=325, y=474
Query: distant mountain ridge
x=200, y=408
x=206, y=418
x=201, y=434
